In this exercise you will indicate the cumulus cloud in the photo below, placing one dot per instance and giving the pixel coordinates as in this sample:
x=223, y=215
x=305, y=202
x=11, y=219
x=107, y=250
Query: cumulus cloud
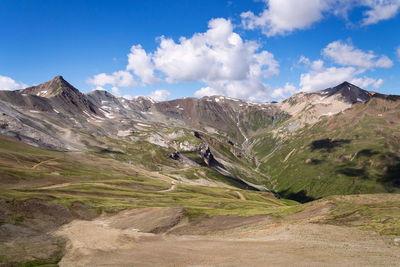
x=141, y=64
x=7, y=83
x=365, y=82
x=326, y=77
x=285, y=91
x=218, y=55
x=347, y=55
x=252, y=90
x=118, y=78
x=116, y=91
x=380, y=10
x=349, y=63
x=219, y=58
x=157, y=95
x=160, y=95
x=321, y=77
x=284, y=16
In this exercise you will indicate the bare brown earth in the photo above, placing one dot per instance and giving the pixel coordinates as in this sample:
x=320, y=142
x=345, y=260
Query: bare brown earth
x=164, y=237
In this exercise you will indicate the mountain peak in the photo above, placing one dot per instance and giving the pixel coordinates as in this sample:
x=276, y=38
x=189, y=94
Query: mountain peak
x=346, y=83
x=59, y=77
x=348, y=92
x=50, y=88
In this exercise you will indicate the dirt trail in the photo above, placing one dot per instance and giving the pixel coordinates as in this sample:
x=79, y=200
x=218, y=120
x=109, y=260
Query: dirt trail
x=240, y=195
x=288, y=155
x=172, y=188
x=42, y=162
x=79, y=183
x=129, y=239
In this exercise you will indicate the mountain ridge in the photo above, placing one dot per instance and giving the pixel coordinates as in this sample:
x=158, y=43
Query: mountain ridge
x=246, y=139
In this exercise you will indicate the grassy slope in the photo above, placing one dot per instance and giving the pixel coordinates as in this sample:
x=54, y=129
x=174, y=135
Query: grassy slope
x=103, y=182
x=357, y=151
x=374, y=212
x=107, y=184
x=109, y=181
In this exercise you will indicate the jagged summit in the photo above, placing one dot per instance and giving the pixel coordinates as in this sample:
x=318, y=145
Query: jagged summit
x=63, y=96
x=51, y=88
x=349, y=92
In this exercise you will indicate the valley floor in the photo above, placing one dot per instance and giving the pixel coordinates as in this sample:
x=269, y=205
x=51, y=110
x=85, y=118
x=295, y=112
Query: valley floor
x=162, y=237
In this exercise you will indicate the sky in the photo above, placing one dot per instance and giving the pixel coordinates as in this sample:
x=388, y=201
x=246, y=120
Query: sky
x=259, y=50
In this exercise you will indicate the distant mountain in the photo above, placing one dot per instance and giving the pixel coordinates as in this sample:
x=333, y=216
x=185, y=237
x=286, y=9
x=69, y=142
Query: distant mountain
x=339, y=140
x=51, y=88
x=309, y=107
x=64, y=95
x=348, y=92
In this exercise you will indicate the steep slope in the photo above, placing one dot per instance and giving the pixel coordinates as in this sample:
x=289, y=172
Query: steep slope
x=309, y=107
x=63, y=96
x=233, y=118
x=355, y=151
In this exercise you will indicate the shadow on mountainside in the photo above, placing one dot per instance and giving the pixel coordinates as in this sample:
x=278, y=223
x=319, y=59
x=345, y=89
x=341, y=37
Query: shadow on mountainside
x=328, y=145
x=367, y=153
x=300, y=196
x=353, y=172
x=391, y=177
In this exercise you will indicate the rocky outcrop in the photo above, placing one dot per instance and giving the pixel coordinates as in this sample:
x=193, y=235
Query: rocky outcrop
x=182, y=159
x=207, y=156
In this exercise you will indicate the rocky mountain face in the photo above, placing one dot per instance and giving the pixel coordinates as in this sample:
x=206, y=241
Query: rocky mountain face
x=309, y=107
x=62, y=95
x=281, y=147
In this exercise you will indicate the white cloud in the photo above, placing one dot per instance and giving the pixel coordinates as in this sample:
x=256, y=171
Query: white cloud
x=141, y=64
x=284, y=16
x=118, y=78
x=324, y=78
x=350, y=61
x=6, y=83
x=116, y=91
x=219, y=58
x=285, y=91
x=346, y=54
x=315, y=65
x=160, y=95
x=365, y=82
x=157, y=95
x=380, y=10
x=320, y=77
x=216, y=55
x=252, y=90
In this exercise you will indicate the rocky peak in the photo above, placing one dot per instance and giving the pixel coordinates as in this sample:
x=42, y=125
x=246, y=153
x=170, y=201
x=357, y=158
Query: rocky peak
x=145, y=103
x=51, y=88
x=348, y=92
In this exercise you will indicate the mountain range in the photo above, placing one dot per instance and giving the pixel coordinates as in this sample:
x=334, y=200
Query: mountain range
x=203, y=174
x=340, y=140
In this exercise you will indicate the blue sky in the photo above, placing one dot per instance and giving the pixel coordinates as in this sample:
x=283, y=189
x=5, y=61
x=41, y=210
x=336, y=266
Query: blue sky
x=255, y=50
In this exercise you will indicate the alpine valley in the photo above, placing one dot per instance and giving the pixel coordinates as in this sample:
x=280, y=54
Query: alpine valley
x=94, y=179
